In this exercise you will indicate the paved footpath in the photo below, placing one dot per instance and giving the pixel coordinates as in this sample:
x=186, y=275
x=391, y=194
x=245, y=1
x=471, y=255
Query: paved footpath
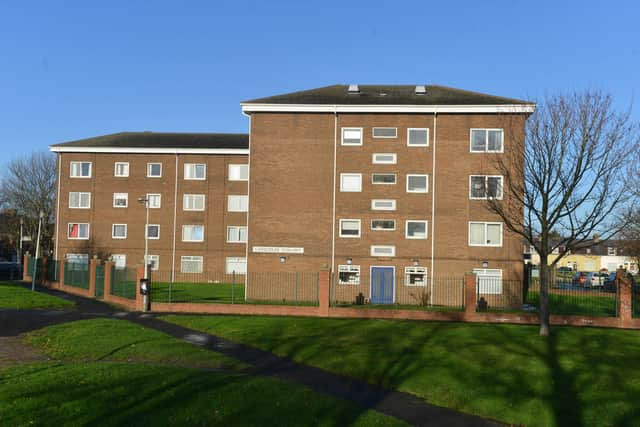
x=403, y=406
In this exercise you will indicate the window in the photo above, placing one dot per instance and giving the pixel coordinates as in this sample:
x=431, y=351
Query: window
x=383, y=178
x=384, y=158
x=416, y=229
x=78, y=230
x=485, y=234
x=193, y=233
x=195, y=171
x=77, y=261
x=78, y=200
x=121, y=169
x=486, y=140
x=238, y=203
x=120, y=261
x=236, y=265
x=119, y=231
x=237, y=234
x=611, y=251
x=383, y=224
x=348, y=274
x=351, y=182
x=383, y=250
x=488, y=281
x=485, y=187
x=415, y=276
x=120, y=200
x=238, y=172
x=154, y=262
x=385, y=132
x=193, y=202
x=153, y=231
x=351, y=136
x=417, y=183
x=383, y=205
x=349, y=228
x=417, y=137
x=191, y=264
x=155, y=200
x=154, y=170
x=80, y=170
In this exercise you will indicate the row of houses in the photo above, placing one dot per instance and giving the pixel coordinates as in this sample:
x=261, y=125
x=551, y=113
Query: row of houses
x=370, y=181
x=606, y=255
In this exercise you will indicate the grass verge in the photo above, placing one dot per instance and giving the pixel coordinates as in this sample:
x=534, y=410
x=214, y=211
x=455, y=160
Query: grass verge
x=578, y=303
x=14, y=296
x=578, y=376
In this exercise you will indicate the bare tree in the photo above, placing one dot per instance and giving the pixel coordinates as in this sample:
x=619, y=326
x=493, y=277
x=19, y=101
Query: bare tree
x=28, y=186
x=630, y=237
x=579, y=157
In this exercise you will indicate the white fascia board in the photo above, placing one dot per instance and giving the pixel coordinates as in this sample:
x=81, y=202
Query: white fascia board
x=144, y=150
x=312, y=108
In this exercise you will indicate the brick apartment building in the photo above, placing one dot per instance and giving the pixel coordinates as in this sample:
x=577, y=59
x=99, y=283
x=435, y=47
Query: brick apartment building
x=375, y=183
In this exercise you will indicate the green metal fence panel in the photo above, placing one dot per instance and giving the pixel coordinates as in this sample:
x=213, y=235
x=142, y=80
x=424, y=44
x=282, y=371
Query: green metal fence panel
x=53, y=270
x=123, y=282
x=635, y=299
x=76, y=274
x=100, y=281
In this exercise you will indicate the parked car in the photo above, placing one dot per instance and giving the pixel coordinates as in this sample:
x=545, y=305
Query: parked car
x=10, y=270
x=596, y=280
x=579, y=278
x=565, y=269
x=610, y=282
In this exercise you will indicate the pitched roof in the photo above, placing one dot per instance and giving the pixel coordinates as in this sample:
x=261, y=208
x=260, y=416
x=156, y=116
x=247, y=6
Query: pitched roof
x=387, y=95
x=163, y=140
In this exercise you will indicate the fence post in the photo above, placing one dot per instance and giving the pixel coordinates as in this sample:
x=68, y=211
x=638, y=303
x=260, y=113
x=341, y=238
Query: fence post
x=233, y=285
x=25, y=268
x=470, y=295
x=625, y=295
x=324, y=291
x=108, y=267
x=61, y=271
x=139, y=276
x=297, y=287
x=93, y=263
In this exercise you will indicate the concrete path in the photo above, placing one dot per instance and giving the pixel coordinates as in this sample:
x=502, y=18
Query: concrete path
x=403, y=406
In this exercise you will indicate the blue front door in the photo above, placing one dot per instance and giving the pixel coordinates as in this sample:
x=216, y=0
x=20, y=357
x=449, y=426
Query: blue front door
x=381, y=285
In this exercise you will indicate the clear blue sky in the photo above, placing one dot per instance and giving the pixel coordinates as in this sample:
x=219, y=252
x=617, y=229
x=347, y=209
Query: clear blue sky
x=94, y=67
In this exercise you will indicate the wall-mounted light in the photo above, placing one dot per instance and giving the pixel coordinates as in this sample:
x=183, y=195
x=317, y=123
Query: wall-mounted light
x=416, y=263
x=283, y=259
x=485, y=264
x=349, y=261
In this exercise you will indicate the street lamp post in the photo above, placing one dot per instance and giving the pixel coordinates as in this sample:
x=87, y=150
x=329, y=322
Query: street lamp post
x=20, y=244
x=145, y=200
x=35, y=263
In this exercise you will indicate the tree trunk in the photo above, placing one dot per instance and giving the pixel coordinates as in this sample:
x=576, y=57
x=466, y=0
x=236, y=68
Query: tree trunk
x=544, y=296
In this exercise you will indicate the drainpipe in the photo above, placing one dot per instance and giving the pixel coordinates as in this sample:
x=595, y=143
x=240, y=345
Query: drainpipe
x=433, y=202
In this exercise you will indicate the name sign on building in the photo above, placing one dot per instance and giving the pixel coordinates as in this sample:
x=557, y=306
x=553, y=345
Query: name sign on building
x=277, y=250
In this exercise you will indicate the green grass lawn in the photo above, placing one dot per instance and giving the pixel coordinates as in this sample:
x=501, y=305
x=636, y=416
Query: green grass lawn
x=17, y=297
x=113, y=372
x=198, y=292
x=577, y=304
x=578, y=376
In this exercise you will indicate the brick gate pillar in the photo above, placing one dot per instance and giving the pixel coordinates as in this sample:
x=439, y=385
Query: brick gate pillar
x=470, y=296
x=93, y=263
x=625, y=295
x=107, y=280
x=324, y=287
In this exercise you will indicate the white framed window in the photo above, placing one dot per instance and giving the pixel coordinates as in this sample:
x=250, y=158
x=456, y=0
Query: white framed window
x=79, y=200
x=351, y=136
x=239, y=172
x=418, y=137
x=154, y=262
x=236, y=234
x=385, y=158
x=237, y=265
x=351, y=182
x=485, y=233
x=415, y=276
x=120, y=200
x=155, y=200
x=383, y=224
x=153, y=231
x=196, y=171
x=237, y=203
x=78, y=231
x=611, y=251
x=487, y=141
x=416, y=229
x=193, y=233
x=119, y=231
x=417, y=183
x=488, y=281
x=350, y=228
x=119, y=260
x=80, y=170
x=383, y=178
x=380, y=132
x=485, y=187
x=193, y=202
x=154, y=170
x=348, y=274
x=191, y=264
x=383, y=205
x=383, y=250
x=121, y=169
